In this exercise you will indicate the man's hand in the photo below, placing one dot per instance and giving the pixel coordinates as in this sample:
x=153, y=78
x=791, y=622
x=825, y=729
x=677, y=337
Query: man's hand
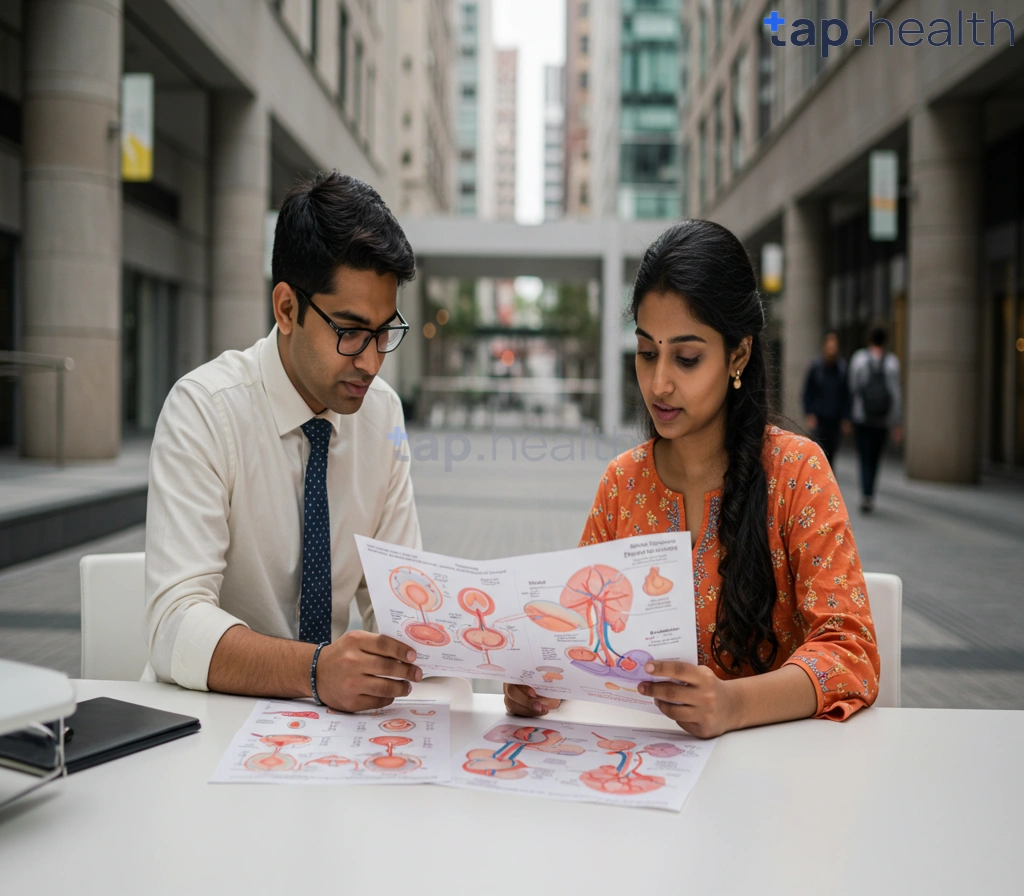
x=847, y=428
x=523, y=701
x=811, y=422
x=358, y=670
x=897, y=435
x=697, y=700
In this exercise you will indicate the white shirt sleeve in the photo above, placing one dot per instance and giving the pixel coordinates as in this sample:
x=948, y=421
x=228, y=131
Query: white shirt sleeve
x=191, y=470
x=399, y=523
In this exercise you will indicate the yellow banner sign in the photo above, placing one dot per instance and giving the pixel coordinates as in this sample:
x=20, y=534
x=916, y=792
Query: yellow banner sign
x=137, y=126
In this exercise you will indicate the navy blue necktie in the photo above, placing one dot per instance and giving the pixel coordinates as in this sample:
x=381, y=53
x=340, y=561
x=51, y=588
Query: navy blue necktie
x=315, y=600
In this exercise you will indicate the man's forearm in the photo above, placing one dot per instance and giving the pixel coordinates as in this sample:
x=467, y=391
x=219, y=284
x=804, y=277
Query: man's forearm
x=246, y=662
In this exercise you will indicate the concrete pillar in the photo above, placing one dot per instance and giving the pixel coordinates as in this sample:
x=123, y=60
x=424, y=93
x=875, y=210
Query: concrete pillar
x=72, y=222
x=804, y=228
x=404, y=369
x=612, y=288
x=943, y=376
x=240, y=187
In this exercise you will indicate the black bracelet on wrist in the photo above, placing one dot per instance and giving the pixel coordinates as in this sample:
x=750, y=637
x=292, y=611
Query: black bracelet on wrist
x=312, y=672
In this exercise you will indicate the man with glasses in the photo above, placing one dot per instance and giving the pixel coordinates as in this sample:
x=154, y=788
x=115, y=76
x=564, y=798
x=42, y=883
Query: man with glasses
x=266, y=462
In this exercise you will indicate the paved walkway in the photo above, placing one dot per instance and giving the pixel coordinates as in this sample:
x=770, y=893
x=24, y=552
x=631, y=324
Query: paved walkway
x=32, y=486
x=959, y=551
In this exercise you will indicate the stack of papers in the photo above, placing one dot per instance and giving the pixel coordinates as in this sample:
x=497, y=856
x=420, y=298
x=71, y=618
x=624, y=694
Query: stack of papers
x=576, y=624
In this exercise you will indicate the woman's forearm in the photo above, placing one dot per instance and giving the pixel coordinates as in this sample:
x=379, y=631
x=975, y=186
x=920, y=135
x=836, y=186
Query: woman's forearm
x=780, y=696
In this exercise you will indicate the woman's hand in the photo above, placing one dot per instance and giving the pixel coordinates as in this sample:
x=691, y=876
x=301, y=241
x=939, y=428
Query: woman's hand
x=696, y=699
x=523, y=701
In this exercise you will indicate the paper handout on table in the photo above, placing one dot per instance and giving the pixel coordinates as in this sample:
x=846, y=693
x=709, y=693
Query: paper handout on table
x=579, y=623
x=584, y=763
x=298, y=742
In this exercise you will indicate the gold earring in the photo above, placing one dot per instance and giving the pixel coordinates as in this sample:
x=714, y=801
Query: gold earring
x=736, y=383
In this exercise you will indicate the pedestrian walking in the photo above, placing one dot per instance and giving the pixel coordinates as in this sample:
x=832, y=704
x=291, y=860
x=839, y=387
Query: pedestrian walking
x=876, y=407
x=827, y=397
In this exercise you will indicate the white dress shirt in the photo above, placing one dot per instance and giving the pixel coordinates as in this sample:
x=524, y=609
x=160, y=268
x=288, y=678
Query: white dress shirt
x=225, y=510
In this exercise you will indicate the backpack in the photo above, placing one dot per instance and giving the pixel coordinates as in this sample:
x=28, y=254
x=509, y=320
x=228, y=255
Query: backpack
x=875, y=393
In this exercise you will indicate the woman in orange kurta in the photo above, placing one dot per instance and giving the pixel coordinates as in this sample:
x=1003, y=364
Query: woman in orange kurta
x=784, y=628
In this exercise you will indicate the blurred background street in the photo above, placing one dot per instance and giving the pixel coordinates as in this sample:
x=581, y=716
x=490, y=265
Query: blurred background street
x=531, y=150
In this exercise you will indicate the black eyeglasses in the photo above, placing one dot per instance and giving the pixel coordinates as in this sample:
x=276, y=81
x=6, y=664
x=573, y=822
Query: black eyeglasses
x=353, y=340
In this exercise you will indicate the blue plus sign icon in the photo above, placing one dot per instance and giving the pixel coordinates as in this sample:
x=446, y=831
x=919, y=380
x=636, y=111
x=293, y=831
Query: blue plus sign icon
x=774, y=21
x=397, y=436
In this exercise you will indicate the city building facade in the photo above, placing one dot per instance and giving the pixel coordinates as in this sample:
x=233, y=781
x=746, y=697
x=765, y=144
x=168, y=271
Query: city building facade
x=635, y=108
x=578, y=74
x=139, y=282
x=505, y=112
x=426, y=40
x=475, y=110
x=780, y=139
x=554, y=141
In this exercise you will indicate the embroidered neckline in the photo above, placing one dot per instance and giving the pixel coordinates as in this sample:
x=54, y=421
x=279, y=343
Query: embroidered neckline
x=712, y=501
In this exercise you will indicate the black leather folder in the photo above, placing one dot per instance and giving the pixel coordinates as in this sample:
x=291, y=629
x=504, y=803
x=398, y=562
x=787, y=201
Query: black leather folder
x=101, y=729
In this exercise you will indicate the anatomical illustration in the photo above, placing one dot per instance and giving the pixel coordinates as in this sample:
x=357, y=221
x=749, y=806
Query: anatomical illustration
x=392, y=761
x=656, y=584
x=579, y=624
x=276, y=761
x=328, y=762
x=598, y=599
x=551, y=673
x=394, y=726
x=417, y=590
x=296, y=717
x=504, y=763
x=624, y=777
x=480, y=636
x=620, y=766
x=406, y=742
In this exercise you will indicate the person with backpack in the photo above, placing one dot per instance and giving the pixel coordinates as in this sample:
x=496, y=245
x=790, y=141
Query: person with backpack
x=877, y=407
x=827, y=397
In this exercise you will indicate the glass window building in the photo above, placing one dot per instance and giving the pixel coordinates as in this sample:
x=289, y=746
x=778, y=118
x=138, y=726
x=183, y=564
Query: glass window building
x=649, y=181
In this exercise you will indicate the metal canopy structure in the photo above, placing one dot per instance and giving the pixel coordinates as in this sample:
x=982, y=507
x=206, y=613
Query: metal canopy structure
x=557, y=250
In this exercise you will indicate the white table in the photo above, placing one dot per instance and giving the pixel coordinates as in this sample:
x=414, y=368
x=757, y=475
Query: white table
x=893, y=801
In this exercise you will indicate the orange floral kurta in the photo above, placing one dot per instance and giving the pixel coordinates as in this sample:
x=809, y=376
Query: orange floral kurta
x=822, y=617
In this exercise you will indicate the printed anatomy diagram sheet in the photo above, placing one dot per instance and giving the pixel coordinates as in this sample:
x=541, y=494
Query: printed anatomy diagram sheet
x=585, y=763
x=580, y=623
x=297, y=742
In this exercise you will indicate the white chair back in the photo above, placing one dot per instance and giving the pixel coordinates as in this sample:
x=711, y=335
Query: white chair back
x=885, y=594
x=113, y=602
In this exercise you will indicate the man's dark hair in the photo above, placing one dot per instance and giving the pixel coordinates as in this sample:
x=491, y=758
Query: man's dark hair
x=333, y=220
x=879, y=336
